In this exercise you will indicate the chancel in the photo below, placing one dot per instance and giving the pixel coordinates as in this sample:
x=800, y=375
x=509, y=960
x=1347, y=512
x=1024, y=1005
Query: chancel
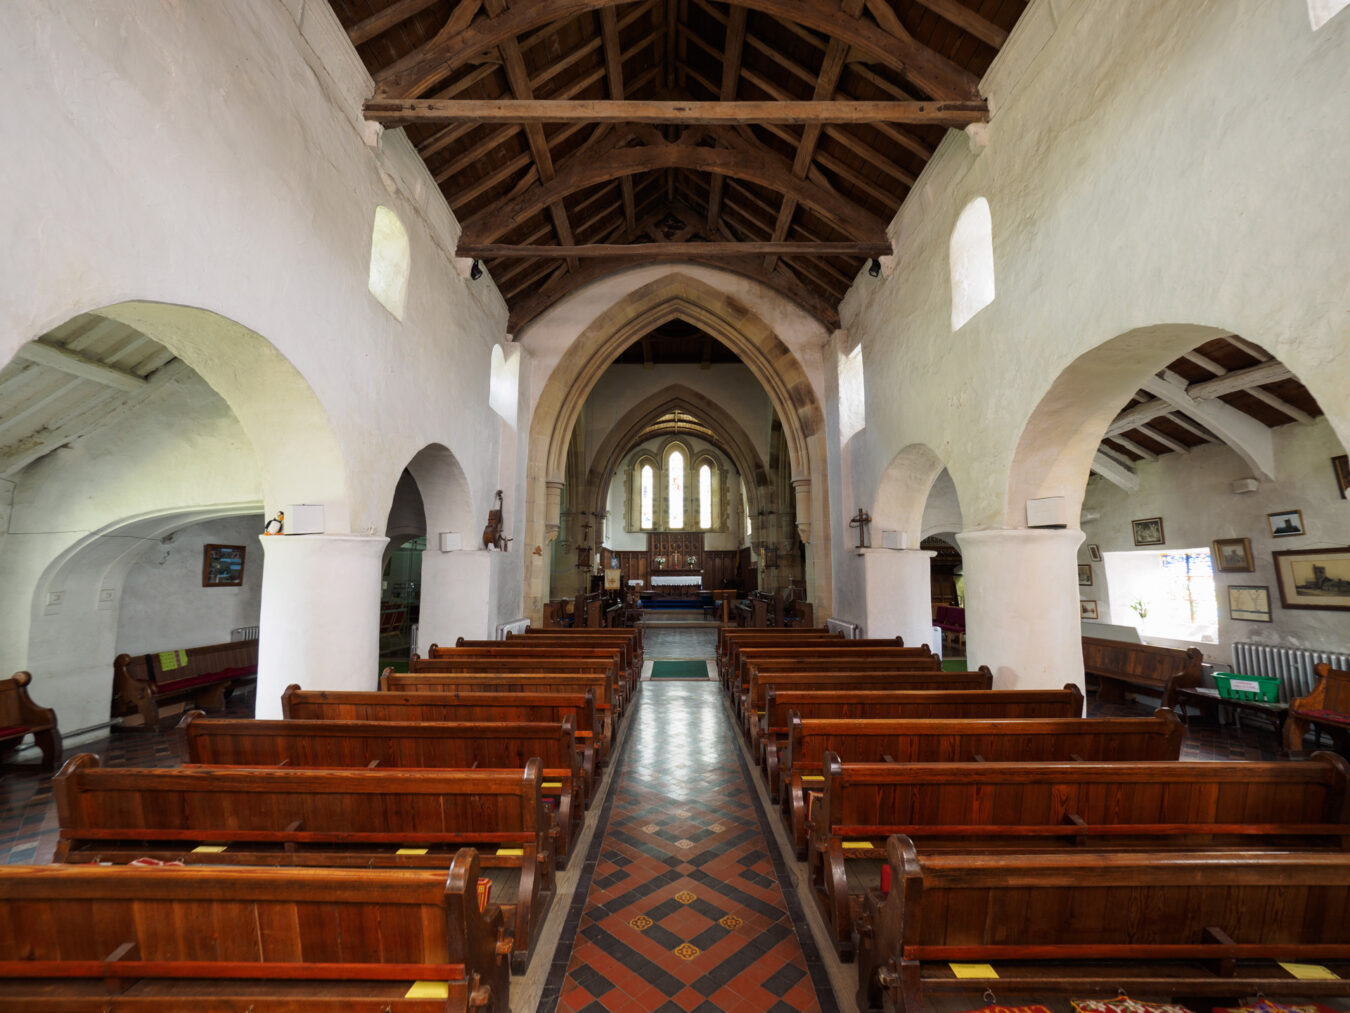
x=578, y=505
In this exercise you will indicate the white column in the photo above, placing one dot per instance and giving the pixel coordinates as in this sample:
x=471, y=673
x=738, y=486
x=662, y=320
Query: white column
x=455, y=597
x=320, y=622
x=1022, y=606
x=898, y=584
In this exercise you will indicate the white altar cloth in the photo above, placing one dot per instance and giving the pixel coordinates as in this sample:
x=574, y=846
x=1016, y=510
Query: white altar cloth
x=694, y=581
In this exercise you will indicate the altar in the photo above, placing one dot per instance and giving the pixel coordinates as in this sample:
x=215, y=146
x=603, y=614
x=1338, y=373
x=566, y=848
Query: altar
x=677, y=585
x=682, y=580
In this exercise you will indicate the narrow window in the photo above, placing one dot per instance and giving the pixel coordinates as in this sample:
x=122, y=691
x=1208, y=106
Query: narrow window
x=972, y=262
x=1164, y=594
x=647, y=481
x=1322, y=11
x=705, y=497
x=676, y=489
x=390, y=261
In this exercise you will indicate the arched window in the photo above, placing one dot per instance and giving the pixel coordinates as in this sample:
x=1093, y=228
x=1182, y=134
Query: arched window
x=1322, y=11
x=646, y=494
x=972, y=262
x=390, y=261
x=675, y=488
x=704, y=497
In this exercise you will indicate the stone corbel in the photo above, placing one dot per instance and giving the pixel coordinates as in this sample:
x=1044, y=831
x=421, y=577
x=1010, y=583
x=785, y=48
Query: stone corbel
x=802, y=488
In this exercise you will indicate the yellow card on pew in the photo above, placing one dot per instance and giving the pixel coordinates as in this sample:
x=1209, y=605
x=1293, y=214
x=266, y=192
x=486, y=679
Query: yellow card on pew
x=973, y=970
x=857, y=844
x=555, y=785
x=428, y=990
x=209, y=849
x=813, y=777
x=510, y=852
x=411, y=851
x=1310, y=972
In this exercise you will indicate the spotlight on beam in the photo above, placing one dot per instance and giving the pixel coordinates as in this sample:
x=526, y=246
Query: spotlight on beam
x=874, y=268
x=476, y=271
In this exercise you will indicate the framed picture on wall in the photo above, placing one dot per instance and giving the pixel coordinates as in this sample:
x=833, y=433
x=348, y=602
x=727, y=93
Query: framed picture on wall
x=1341, y=466
x=223, y=565
x=1233, y=555
x=1285, y=523
x=1087, y=609
x=1314, y=578
x=1148, y=531
x=1084, y=574
x=1094, y=552
x=1249, y=603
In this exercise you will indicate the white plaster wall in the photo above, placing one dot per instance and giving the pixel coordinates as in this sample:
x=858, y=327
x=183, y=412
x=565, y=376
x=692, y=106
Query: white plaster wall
x=1193, y=495
x=163, y=603
x=1148, y=163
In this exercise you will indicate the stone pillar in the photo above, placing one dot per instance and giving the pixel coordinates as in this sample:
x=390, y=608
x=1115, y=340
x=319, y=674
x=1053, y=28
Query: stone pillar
x=899, y=588
x=455, y=597
x=1022, y=606
x=320, y=621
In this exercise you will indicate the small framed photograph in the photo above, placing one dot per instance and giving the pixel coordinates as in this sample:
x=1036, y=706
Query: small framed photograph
x=1249, y=603
x=1285, y=523
x=1087, y=609
x=1233, y=555
x=1148, y=531
x=223, y=566
x=1084, y=574
x=1094, y=552
x=1314, y=578
x=1341, y=466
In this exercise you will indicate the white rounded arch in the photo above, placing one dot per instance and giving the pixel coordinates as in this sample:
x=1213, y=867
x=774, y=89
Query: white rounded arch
x=902, y=493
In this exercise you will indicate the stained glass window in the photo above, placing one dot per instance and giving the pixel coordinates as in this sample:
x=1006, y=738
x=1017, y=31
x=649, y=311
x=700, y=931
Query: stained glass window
x=705, y=497
x=676, y=487
x=647, y=482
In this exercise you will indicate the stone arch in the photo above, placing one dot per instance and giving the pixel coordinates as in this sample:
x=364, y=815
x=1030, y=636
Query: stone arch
x=903, y=492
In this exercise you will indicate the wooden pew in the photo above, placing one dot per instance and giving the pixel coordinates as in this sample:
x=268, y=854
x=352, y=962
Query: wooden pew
x=970, y=697
x=800, y=654
x=604, y=639
x=335, y=705
x=1038, y=806
x=1159, y=671
x=369, y=744
x=320, y=819
x=735, y=641
x=1328, y=704
x=1082, y=923
x=527, y=659
x=530, y=631
x=258, y=939
x=202, y=675
x=20, y=717
x=599, y=684
x=948, y=740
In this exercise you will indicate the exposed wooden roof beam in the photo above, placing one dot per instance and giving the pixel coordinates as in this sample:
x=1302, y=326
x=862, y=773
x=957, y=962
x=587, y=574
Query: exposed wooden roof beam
x=952, y=11
x=1246, y=435
x=76, y=364
x=609, y=31
x=675, y=250
x=1281, y=405
x=1165, y=440
x=397, y=13
x=1272, y=371
x=1254, y=350
x=449, y=49
x=1195, y=429
x=732, y=51
x=1115, y=471
x=1135, y=448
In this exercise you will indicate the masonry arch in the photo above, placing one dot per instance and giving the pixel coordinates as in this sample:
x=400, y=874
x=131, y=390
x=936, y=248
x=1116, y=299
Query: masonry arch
x=675, y=295
x=902, y=493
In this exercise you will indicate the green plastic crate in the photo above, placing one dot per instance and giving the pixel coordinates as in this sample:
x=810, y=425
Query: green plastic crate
x=1232, y=686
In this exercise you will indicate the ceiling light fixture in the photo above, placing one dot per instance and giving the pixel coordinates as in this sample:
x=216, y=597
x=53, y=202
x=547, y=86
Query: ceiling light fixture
x=874, y=268
x=476, y=271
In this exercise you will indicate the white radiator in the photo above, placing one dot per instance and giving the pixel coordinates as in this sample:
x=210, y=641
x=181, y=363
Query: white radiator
x=244, y=633
x=851, y=631
x=516, y=627
x=1293, y=666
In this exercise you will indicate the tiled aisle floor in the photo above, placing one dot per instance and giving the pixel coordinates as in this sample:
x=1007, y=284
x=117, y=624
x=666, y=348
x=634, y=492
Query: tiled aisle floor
x=684, y=910
x=679, y=643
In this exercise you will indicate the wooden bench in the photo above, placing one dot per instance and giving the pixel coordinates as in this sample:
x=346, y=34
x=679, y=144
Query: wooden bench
x=1156, y=670
x=599, y=684
x=728, y=637
x=514, y=658
x=20, y=717
x=334, y=705
x=203, y=676
x=633, y=632
x=257, y=939
x=1327, y=706
x=630, y=661
x=1038, y=806
x=320, y=819
x=951, y=620
x=951, y=740
x=399, y=744
x=969, y=697
x=1084, y=923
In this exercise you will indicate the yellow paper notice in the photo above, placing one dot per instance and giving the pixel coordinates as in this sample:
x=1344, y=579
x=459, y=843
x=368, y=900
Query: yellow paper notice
x=509, y=852
x=973, y=970
x=1310, y=972
x=428, y=990
x=555, y=785
x=411, y=851
x=209, y=849
x=857, y=844
x=813, y=777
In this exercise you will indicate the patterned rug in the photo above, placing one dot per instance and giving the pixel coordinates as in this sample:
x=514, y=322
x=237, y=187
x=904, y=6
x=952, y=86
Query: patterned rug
x=679, y=670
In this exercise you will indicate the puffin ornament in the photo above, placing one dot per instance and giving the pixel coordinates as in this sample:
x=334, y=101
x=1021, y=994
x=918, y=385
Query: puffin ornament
x=275, y=525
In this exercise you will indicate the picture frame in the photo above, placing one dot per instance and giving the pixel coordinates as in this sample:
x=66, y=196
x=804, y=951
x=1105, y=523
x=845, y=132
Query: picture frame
x=1340, y=467
x=1087, y=608
x=223, y=565
x=1286, y=523
x=1148, y=531
x=1084, y=574
x=1314, y=578
x=1233, y=555
x=1094, y=552
x=1249, y=603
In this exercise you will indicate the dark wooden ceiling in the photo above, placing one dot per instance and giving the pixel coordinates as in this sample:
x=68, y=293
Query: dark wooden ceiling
x=586, y=182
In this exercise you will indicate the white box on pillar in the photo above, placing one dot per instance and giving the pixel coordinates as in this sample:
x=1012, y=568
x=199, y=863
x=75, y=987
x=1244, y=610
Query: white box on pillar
x=451, y=541
x=303, y=519
x=1046, y=513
